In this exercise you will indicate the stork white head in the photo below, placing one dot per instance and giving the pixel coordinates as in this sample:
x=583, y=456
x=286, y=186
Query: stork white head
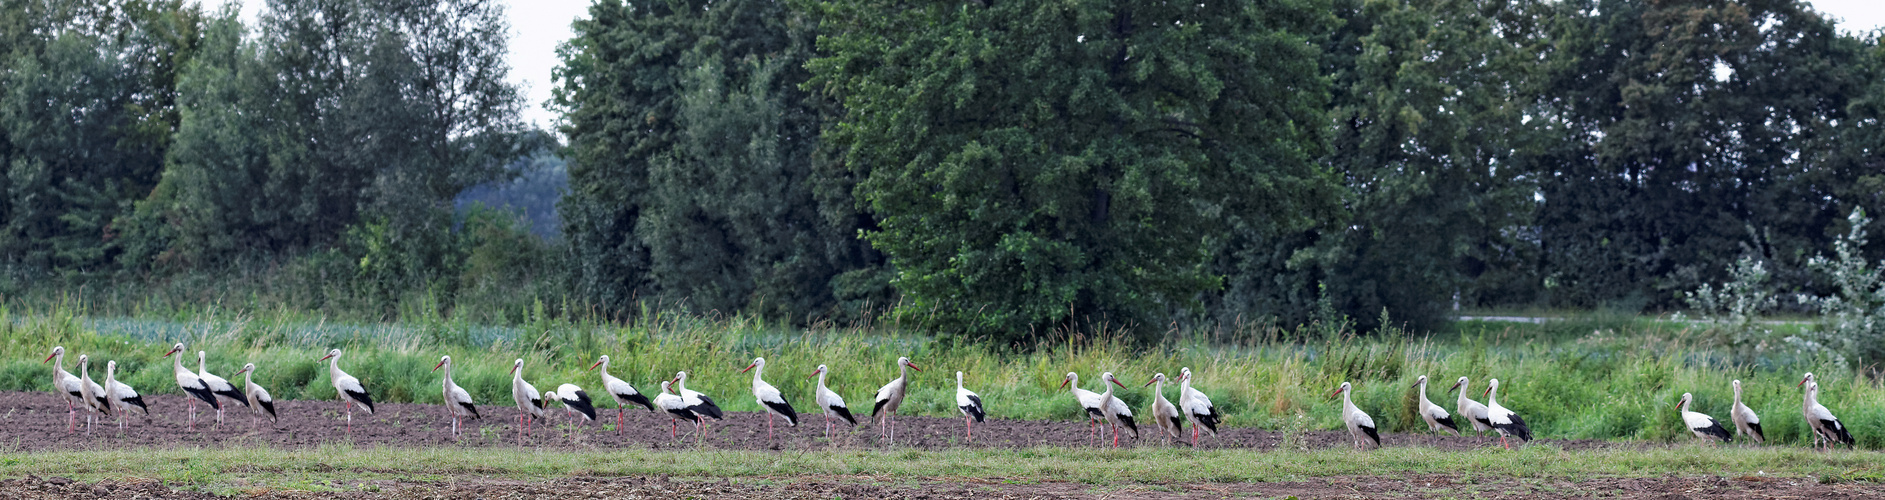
x=1457, y=384
x=1737, y=387
x=817, y=372
x=1683, y=404
x=1491, y=385
x=176, y=349
x=1422, y=380
x=250, y=368
x=517, y=366
x=904, y=361
x=602, y=361
x=1806, y=380
x=665, y=384
x=1339, y=390
x=759, y=363
x=57, y=351
x=1108, y=376
x=1071, y=379
x=1159, y=377
x=443, y=361
x=331, y=353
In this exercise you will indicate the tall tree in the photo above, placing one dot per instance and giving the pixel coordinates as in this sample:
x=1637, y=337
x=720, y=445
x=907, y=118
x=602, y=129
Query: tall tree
x=1035, y=164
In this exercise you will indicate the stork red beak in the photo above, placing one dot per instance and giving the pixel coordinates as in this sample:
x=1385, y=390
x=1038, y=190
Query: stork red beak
x=1116, y=382
x=1416, y=384
x=814, y=373
x=173, y=350
x=513, y=368
x=913, y=366
x=1148, y=383
x=1456, y=386
x=1485, y=392
x=323, y=358
x=749, y=367
x=434, y=367
x=1338, y=390
x=1064, y=382
x=50, y=356
x=598, y=363
x=1802, y=383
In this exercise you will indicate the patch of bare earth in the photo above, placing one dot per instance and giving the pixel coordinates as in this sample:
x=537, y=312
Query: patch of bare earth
x=808, y=488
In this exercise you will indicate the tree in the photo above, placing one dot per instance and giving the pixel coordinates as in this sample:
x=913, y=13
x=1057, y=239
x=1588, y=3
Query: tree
x=1034, y=164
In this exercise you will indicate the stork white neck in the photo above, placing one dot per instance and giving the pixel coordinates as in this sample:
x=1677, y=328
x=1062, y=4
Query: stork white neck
x=958, y=380
x=1492, y=392
x=202, y=362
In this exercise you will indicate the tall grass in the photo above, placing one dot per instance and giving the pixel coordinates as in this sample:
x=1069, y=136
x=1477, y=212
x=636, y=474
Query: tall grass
x=1601, y=378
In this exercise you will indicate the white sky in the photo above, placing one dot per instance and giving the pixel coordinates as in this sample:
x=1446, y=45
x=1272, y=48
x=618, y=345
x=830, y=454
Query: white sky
x=538, y=25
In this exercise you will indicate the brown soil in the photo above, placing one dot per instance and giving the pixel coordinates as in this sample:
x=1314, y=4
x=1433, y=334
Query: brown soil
x=36, y=421
x=1417, y=486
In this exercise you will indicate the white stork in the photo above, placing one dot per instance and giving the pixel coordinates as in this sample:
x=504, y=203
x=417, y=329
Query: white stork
x=1163, y=413
x=346, y=387
x=65, y=383
x=191, y=384
x=671, y=403
x=1438, y=420
x=971, y=405
x=1360, y=426
x=1745, y=421
x=218, y=386
x=1703, y=426
x=1827, y=429
x=623, y=393
x=120, y=397
x=697, y=404
x=1089, y=401
x=770, y=398
x=457, y=400
x=829, y=401
x=889, y=398
x=1471, y=410
x=260, y=403
x=529, y=402
x=1197, y=407
x=1507, y=423
x=1116, y=411
x=574, y=400
x=96, y=399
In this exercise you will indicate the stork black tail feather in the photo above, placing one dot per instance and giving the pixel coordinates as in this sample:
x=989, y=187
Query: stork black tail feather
x=845, y=413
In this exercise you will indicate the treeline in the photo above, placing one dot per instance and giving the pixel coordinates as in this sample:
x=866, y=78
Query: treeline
x=991, y=168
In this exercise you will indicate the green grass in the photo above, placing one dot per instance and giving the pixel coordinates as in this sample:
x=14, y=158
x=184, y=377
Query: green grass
x=217, y=468
x=1597, y=377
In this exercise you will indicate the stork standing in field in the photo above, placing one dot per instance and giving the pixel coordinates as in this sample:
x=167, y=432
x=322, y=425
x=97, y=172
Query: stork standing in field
x=971, y=405
x=770, y=398
x=218, y=386
x=529, y=403
x=1471, y=410
x=1745, y=421
x=574, y=400
x=1360, y=426
x=191, y=384
x=830, y=403
x=1089, y=401
x=1115, y=410
x=96, y=399
x=1701, y=425
x=697, y=404
x=64, y=383
x=1196, y=407
x=1438, y=420
x=1164, y=414
x=348, y=388
x=1507, y=423
x=889, y=398
x=457, y=401
x=669, y=402
x=623, y=393
x=1827, y=429
x=260, y=403
x=120, y=397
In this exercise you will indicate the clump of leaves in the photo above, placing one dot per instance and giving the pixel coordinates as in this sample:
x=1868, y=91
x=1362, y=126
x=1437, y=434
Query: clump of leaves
x=1736, y=307
x=1852, y=322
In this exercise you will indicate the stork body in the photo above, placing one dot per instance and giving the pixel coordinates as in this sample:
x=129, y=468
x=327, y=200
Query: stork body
x=1438, y=420
x=1196, y=407
x=701, y=406
x=260, y=403
x=457, y=401
x=1701, y=425
x=576, y=401
x=1471, y=410
x=1115, y=410
x=1507, y=423
x=1360, y=425
x=889, y=397
x=1745, y=421
x=770, y=398
x=669, y=402
x=1089, y=401
x=1164, y=413
x=218, y=386
x=830, y=403
x=529, y=402
x=971, y=405
x=191, y=384
x=623, y=393
x=347, y=388
x=1827, y=429
x=121, y=398
x=96, y=399
x=67, y=385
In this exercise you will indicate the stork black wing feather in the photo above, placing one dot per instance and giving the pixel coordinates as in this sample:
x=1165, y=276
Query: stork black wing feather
x=1372, y=435
x=470, y=408
x=236, y=395
x=269, y=406
x=844, y=413
x=640, y=400
x=975, y=409
x=1758, y=435
x=1447, y=422
x=1714, y=430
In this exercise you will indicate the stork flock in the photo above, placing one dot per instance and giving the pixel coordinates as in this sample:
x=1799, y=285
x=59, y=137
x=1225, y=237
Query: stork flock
x=1107, y=415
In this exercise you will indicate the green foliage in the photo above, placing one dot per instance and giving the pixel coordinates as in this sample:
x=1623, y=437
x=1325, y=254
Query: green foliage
x=1035, y=164
x=1852, y=322
x=1736, y=309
